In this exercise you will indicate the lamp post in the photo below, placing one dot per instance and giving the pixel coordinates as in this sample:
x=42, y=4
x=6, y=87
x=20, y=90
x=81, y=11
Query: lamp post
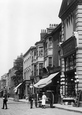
x=76, y=81
x=31, y=87
x=62, y=83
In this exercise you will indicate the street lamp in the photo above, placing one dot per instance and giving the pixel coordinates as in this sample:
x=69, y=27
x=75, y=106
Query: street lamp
x=31, y=88
x=76, y=80
x=62, y=83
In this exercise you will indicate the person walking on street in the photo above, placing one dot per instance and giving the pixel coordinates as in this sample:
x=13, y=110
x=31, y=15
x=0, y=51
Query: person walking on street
x=51, y=100
x=31, y=100
x=43, y=100
x=5, y=99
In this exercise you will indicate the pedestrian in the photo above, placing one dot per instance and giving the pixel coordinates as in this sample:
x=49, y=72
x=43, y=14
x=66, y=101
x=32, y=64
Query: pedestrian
x=51, y=100
x=31, y=100
x=5, y=99
x=43, y=100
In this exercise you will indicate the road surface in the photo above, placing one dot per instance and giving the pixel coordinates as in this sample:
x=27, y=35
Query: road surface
x=22, y=108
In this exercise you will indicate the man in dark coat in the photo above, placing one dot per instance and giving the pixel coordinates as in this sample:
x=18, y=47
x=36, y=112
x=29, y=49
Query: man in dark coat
x=31, y=100
x=5, y=99
x=51, y=100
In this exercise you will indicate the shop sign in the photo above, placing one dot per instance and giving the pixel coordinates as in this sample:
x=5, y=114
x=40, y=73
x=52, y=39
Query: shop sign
x=69, y=46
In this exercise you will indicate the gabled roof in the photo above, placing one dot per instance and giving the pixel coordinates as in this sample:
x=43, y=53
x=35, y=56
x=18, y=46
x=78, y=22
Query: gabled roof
x=65, y=5
x=30, y=49
x=41, y=41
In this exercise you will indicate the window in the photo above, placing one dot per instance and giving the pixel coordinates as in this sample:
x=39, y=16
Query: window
x=50, y=42
x=45, y=49
x=50, y=61
x=70, y=62
x=35, y=54
x=24, y=76
x=40, y=51
x=40, y=68
x=34, y=70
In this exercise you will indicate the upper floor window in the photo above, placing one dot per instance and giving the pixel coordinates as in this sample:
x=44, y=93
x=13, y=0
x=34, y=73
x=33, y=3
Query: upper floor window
x=40, y=68
x=35, y=70
x=40, y=51
x=35, y=54
x=50, y=61
x=50, y=42
x=68, y=26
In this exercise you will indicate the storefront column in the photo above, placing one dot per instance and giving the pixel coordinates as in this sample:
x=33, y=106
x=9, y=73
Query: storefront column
x=76, y=82
x=63, y=84
x=26, y=90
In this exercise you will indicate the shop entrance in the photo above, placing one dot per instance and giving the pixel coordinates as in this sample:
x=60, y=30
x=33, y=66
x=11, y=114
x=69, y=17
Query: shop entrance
x=70, y=84
x=55, y=88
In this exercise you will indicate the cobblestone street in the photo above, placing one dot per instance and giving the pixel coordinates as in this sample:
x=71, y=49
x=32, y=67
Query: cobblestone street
x=21, y=108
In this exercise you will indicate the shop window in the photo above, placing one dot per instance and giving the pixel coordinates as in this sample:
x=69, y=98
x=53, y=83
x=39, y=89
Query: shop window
x=70, y=85
x=70, y=62
x=67, y=64
x=74, y=61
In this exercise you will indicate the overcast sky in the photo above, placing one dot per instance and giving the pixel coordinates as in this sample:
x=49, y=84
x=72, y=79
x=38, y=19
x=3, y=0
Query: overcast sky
x=21, y=22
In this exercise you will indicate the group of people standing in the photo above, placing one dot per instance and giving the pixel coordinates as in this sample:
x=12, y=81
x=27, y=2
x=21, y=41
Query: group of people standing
x=39, y=102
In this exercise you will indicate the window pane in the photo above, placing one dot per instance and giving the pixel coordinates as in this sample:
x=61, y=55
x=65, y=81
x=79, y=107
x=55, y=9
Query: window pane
x=50, y=61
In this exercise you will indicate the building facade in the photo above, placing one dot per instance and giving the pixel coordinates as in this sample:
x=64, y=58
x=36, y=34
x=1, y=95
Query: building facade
x=28, y=69
x=52, y=58
x=3, y=83
x=9, y=82
x=71, y=47
x=39, y=59
x=51, y=47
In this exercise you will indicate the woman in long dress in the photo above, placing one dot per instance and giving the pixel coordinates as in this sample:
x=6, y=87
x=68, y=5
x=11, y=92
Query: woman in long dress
x=43, y=100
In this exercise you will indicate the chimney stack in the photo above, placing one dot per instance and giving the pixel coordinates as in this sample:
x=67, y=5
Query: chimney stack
x=42, y=34
x=51, y=28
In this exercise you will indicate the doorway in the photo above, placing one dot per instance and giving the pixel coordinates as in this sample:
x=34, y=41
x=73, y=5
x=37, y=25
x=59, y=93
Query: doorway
x=70, y=84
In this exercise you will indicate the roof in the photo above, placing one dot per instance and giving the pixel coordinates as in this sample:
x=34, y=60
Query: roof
x=41, y=41
x=65, y=5
x=31, y=48
x=56, y=29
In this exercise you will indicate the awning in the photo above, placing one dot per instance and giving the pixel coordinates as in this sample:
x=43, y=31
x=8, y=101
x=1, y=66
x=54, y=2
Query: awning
x=15, y=89
x=44, y=82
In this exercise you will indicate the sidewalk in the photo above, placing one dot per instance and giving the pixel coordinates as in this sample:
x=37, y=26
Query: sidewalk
x=59, y=106
x=68, y=108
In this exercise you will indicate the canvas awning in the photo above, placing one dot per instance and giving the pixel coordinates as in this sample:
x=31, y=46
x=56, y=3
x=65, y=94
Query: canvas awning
x=15, y=89
x=44, y=82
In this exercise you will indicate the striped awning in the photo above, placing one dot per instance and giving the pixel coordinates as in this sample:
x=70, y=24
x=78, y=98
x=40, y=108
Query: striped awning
x=44, y=82
x=15, y=89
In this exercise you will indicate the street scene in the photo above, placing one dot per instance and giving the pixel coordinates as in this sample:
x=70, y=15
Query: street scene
x=22, y=108
x=46, y=78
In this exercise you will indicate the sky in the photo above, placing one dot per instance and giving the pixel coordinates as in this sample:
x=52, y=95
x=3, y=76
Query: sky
x=21, y=22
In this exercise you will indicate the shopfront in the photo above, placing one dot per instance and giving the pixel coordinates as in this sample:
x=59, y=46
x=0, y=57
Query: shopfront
x=50, y=84
x=69, y=67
